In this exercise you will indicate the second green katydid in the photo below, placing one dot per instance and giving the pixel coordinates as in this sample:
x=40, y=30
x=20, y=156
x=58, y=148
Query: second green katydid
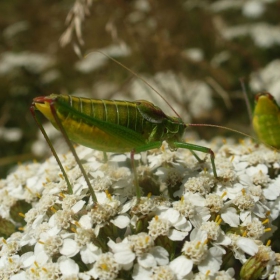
x=264, y=113
x=266, y=119
x=115, y=125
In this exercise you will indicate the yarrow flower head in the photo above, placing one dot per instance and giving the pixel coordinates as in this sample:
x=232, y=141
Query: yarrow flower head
x=181, y=228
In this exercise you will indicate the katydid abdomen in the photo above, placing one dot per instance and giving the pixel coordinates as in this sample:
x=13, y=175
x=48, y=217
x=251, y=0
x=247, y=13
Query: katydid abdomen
x=266, y=119
x=111, y=125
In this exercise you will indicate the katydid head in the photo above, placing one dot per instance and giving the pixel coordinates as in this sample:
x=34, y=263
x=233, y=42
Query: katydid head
x=42, y=104
x=265, y=104
x=262, y=95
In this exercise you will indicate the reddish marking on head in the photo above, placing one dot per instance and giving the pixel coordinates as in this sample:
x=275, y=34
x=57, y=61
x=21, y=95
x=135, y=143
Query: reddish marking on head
x=43, y=99
x=265, y=93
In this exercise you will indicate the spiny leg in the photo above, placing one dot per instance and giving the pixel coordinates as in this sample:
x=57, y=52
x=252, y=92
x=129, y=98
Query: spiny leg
x=193, y=147
x=33, y=111
x=70, y=145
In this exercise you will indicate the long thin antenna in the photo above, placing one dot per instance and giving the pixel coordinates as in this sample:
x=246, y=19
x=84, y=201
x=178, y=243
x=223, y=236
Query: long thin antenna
x=190, y=125
x=219, y=126
x=139, y=77
x=246, y=97
x=232, y=130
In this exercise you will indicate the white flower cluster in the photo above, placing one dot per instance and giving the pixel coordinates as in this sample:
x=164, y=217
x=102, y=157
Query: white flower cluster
x=185, y=225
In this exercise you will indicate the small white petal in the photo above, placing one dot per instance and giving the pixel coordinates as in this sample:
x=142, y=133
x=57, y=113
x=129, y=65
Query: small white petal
x=261, y=210
x=118, y=247
x=53, y=231
x=67, y=235
x=68, y=267
x=69, y=248
x=181, y=266
x=183, y=224
x=97, y=174
x=160, y=254
x=127, y=206
x=125, y=257
x=27, y=259
x=245, y=216
x=122, y=252
x=230, y=217
x=147, y=260
x=52, y=221
x=90, y=253
x=199, y=235
x=272, y=192
x=140, y=273
x=78, y=206
x=19, y=276
x=217, y=251
x=40, y=255
x=121, y=221
x=275, y=208
x=85, y=222
x=223, y=240
x=213, y=261
x=39, y=219
x=171, y=215
x=177, y=235
x=247, y=245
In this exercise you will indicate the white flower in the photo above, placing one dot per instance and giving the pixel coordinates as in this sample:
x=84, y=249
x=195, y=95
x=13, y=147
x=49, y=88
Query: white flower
x=202, y=184
x=272, y=191
x=165, y=155
x=211, y=231
x=90, y=253
x=62, y=227
x=139, y=246
x=171, y=223
x=213, y=261
x=105, y=268
x=195, y=209
x=162, y=272
x=9, y=266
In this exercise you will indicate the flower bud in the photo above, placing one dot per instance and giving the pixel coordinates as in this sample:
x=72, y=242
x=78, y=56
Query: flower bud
x=255, y=266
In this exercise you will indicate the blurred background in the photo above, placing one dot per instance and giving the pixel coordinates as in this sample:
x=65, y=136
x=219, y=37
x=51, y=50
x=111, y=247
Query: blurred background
x=193, y=52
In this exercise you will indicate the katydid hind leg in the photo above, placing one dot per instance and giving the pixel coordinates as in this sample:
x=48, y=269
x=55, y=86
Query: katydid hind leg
x=34, y=114
x=70, y=145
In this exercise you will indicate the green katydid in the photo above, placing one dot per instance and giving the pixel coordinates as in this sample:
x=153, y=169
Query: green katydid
x=266, y=119
x=113, y=126
x=264, y=114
